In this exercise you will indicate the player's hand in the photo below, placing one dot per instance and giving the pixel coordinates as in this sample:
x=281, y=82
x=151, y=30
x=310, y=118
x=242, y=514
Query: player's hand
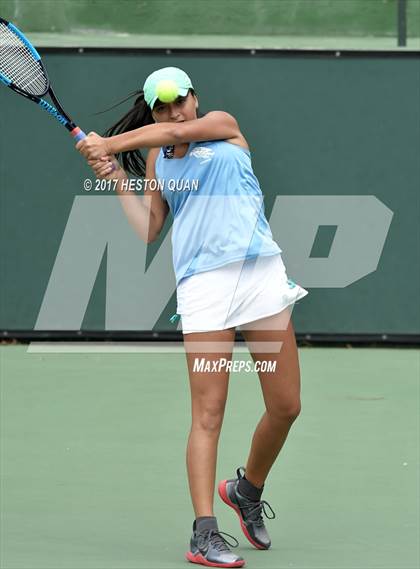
x=93, y=147
x=107, y=168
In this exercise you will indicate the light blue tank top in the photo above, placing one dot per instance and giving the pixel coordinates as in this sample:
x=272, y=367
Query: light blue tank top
x=217, y=205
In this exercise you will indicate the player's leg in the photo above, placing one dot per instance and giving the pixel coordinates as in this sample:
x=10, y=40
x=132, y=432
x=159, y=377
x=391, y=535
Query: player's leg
x=209, y=388
x=207, y=355
x=281, y=392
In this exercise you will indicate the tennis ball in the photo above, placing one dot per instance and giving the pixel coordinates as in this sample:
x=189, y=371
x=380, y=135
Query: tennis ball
x=167, y=90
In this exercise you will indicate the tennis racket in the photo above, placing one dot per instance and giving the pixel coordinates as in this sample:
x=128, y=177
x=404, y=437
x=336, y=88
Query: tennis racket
x=22, y=70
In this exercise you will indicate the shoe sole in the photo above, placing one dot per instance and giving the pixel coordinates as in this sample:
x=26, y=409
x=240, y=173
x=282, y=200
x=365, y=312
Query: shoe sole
x=203, y=561
x=224, y=496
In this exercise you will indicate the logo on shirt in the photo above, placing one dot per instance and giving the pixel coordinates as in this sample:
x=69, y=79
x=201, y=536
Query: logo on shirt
x=202, y=153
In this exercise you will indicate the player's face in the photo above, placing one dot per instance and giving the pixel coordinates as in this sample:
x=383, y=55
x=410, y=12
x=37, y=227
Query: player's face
x=182, y=109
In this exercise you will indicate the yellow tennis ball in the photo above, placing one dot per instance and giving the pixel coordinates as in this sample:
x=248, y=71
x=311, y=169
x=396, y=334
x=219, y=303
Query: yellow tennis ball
x=167, y=90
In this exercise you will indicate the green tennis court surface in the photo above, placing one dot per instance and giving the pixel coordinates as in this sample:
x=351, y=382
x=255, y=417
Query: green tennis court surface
x=93, y=461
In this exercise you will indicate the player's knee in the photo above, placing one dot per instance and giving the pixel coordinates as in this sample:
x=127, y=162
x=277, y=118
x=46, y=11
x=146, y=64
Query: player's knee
x=293, y=411
x=288, y=411
x=210, y=418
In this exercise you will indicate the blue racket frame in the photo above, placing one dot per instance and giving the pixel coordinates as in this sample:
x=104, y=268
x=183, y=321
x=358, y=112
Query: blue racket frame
x=57, y=112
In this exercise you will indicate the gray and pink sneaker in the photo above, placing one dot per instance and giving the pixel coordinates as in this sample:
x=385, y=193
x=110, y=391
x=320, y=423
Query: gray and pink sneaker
x=249, y=512
x=211, y=549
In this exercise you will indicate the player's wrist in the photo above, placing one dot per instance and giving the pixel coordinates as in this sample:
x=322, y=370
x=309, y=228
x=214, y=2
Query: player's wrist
x=111, y=146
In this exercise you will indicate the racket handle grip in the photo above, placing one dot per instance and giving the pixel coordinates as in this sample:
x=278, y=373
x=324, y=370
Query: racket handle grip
x=77, y=134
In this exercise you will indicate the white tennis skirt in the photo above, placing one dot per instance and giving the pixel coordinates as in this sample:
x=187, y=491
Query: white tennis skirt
x=235, y=294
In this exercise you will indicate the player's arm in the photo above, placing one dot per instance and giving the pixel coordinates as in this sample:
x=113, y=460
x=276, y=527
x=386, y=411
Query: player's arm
x=216, y=125
x=159, y=208
x=145, y=214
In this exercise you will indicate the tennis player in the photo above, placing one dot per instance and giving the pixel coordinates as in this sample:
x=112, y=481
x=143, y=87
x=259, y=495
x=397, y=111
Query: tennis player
x=229, y=273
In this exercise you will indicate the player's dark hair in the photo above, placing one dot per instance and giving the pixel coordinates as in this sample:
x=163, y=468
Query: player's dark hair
x=139, y=115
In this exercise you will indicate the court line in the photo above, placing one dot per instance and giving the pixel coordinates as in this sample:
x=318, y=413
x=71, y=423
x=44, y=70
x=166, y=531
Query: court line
x=135, y=347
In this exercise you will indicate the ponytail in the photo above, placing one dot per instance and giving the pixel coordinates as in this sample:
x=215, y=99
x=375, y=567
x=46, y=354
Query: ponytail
x=139, y=115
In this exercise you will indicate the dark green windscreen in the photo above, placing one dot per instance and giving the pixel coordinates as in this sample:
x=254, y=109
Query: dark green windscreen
x=318, y=128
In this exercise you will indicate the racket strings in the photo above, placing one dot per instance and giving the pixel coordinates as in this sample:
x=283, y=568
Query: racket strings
x=18, y=65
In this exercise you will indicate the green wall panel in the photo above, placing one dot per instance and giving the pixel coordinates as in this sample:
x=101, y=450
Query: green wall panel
x=320, y=126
